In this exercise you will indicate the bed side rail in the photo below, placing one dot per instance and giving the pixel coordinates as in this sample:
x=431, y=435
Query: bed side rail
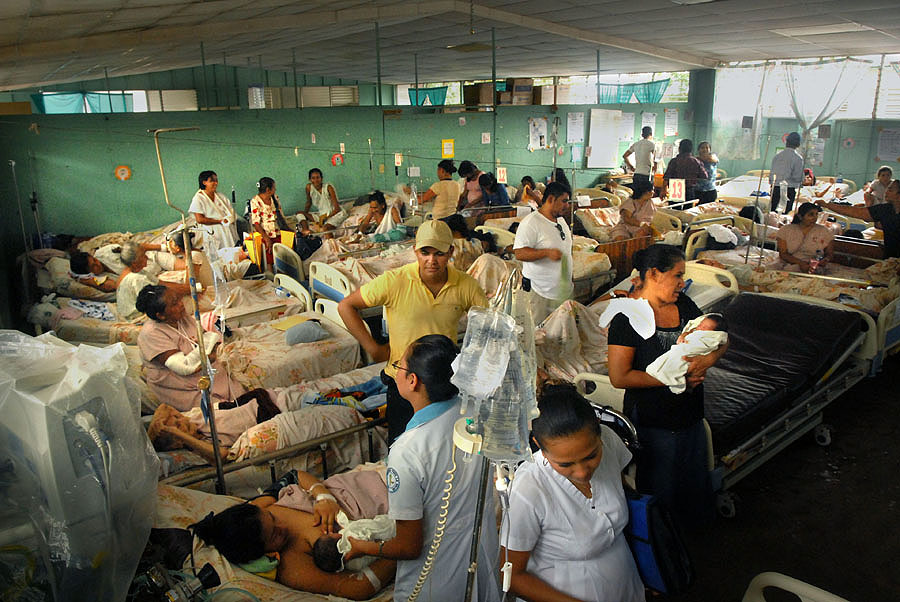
x=320, y=443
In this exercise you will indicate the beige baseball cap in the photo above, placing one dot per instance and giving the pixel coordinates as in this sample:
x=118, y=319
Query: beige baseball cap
x=434, y=233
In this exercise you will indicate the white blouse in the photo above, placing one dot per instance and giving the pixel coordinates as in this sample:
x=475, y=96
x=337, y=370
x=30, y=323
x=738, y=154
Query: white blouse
x=576, y=543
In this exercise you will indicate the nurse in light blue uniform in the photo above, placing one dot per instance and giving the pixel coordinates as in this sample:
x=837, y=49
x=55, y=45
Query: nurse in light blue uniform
x=417, y=476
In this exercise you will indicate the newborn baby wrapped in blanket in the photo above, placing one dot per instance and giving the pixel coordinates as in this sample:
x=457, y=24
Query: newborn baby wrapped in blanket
x=699, y=337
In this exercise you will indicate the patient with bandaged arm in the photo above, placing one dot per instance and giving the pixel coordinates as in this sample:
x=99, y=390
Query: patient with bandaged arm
x=276, y=535
x=699, y=337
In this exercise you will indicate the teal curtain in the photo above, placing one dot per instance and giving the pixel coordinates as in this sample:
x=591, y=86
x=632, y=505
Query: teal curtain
x=109, y=102
x=54, y=103
x=650, y=92
x=435, y=96
x=614, y=94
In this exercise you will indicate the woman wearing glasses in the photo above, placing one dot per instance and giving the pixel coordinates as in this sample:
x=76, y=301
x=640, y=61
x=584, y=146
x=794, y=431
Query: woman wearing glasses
x=635, y=214
x=544, y=245
x=428, y=478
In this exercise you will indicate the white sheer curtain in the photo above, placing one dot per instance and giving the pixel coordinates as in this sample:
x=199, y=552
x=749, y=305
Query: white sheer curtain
x=739, y=92
x=818, y=90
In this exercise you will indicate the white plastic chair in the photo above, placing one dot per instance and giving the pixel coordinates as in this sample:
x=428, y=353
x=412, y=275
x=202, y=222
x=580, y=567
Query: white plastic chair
x=287, y=261
x=803, y=590
x=296, y=289
x=329, y=310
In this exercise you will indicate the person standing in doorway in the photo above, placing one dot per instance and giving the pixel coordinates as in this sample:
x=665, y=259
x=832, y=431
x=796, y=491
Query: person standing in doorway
x=644, y=151
x=425, y=297
x=544, y=245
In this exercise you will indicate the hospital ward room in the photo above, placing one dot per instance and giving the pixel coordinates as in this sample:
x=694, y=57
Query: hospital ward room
x=488, y=301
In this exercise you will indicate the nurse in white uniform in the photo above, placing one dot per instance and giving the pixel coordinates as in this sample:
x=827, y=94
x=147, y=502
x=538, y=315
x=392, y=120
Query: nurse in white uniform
x=567, y=510
x=214, y=212
x=418, y=472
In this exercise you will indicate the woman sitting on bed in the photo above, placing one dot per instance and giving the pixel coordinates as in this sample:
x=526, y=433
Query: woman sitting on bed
x=266, y=216
x=169, y=350
x=467, y=248
x=379, y=216
x=635, y=214
x=281, y=528
x=802, y=239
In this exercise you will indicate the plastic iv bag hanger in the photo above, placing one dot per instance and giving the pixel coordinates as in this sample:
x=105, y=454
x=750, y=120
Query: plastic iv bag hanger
x=497, y=394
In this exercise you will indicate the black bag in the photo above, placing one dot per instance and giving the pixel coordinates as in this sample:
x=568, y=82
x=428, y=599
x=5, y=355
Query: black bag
x=659, y=552
x=306, y=245
x=713, y=245
x=752, y=212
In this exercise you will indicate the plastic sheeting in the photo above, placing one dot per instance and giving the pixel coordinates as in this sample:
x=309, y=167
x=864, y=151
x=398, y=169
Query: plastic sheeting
x=78, y=484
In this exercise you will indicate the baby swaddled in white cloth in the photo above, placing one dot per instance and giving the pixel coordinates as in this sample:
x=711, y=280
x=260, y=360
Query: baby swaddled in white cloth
x=699, y=337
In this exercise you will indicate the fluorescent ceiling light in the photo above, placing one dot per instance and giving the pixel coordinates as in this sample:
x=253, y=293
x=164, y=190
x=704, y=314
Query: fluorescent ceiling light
x=470, y=47
x=817, y=30
x=689, y=2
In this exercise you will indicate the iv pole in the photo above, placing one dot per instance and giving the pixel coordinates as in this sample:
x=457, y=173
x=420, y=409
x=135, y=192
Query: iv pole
x=206, y=379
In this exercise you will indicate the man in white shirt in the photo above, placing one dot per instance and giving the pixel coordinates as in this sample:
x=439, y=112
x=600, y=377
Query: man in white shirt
x=544, y=245
x=644, y=151
x=787, y=166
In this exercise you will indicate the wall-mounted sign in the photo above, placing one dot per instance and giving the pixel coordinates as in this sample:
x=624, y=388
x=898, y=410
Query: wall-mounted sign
x=122, y=172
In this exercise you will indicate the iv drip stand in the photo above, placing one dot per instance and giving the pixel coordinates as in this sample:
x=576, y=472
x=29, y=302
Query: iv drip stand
x=12, y=166
x=206, y=379
x=34, y=206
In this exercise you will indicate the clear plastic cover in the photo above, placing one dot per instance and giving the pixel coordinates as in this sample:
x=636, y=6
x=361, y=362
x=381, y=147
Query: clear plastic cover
x=77, y=472
x=496, y=382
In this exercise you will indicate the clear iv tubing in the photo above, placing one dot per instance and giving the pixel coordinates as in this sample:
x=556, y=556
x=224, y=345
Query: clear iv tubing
x=439, y=528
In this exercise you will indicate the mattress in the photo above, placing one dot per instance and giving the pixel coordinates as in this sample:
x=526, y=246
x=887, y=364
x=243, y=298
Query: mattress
x=258, y=355
x=778, y=349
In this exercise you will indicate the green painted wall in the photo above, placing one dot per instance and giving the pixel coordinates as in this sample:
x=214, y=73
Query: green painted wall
x=69, y=160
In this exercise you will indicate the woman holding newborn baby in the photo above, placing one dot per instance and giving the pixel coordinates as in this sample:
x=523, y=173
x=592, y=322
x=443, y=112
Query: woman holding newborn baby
x=672, y=463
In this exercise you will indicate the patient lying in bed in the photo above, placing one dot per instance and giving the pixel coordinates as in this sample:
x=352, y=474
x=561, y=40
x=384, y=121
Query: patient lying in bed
x=699, y=337
x=259, y=421
x=275, y=534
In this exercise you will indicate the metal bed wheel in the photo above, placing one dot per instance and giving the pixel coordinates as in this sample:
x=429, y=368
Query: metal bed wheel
x=726, y=504
x=823, y=434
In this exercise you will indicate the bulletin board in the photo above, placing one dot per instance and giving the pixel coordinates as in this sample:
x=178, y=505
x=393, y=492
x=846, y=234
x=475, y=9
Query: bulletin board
x=603, y=138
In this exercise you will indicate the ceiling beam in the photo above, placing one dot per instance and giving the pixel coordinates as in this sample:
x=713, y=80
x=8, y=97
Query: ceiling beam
x=585, y=35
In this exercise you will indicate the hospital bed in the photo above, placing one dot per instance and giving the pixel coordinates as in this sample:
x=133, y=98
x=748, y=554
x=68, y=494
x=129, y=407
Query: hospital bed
x=178, y=507
x=788, y=358
x=258, y=355
x=340, y=439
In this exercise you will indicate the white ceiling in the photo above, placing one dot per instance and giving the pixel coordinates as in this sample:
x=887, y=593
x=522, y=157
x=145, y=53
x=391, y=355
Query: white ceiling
x=54, y=41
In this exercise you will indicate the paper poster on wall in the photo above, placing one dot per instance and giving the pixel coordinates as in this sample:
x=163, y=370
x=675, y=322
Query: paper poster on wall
x=577, y=153
x=343, y=148
x=537, y=133
x=575, y=128
x=888, y=145
x=817, y=152
x=603, y=138
x=398, y=159
x=671, y=128
x=485, y=137
x=501, y=175
x=626, y=127
x=648, y=119
x=447, y=148
x=462, y=121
